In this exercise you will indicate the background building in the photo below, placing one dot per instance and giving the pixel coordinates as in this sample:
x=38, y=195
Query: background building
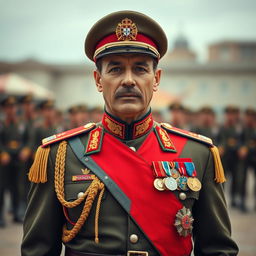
x=227, y=77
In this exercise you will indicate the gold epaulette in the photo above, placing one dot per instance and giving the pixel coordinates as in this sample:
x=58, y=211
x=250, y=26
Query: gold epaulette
x=38, y=170
x=188, y=134
x=219, y=172
x=67, y=134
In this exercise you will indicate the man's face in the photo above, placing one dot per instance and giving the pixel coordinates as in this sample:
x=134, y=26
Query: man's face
x=127, y=83
x=28, y=107
x=49, y=113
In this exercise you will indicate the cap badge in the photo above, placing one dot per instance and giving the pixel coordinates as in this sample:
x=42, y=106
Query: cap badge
x=126, y=30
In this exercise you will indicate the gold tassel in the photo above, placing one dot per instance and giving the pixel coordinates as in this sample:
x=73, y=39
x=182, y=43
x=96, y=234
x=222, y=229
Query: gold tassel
x=219, y=172
x=38, y=170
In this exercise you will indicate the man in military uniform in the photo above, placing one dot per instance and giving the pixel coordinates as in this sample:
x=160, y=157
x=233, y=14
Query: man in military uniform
x=95, y=114
x=178, y=115
x=207, y=124
x=28, y=109
x=14, y=153
x=247, y=153
x=73, y=120
x=83, y=114
x=28, y=120
x=127, y=185
x=230, y=143
x=48, y=124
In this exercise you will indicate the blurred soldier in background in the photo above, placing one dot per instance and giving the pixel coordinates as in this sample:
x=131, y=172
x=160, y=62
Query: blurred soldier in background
x=83, y=114
x=73, y=117
x=95, y=114
x=247, y=154
x=60, y=120
x=28, y=110
x=48, y=125
x=28, y=118
x=230, y=142
x=188, y=119
x=14, y=154
x=207, y=124
x=157, y=115
x=177, y=115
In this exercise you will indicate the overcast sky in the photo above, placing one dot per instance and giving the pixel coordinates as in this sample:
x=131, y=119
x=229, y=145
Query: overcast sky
x=54, y=30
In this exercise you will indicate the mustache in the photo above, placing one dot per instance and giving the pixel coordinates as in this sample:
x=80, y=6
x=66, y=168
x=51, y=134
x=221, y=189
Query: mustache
x=123, y=91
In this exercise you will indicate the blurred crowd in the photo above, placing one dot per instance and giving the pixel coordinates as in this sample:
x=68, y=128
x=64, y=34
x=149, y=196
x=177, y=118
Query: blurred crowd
x=24, y=122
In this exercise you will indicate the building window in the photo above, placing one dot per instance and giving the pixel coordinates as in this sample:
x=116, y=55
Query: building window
x=224, y=52
x=247, y=53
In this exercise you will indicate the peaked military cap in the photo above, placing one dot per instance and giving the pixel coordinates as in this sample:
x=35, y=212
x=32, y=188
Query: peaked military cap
x=176, y=106
x=250, y=111
x=125, y=32
x=73, y=109
x=206, y=110
x=8, y=101
x=26, y=98
x=46, y=104
x=82, y=108
x=231, y=109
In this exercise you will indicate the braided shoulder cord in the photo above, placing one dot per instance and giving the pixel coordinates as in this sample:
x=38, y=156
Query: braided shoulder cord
x=89, y=196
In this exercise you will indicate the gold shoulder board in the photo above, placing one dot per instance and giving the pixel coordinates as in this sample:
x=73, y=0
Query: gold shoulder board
x=38, y=170
x=188, y=134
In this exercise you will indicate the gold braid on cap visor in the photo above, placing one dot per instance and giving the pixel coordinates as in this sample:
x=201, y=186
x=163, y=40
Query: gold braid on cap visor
x=126, y=43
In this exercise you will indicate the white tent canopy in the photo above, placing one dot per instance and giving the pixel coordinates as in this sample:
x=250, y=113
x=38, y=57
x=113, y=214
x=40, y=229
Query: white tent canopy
x=14, y=84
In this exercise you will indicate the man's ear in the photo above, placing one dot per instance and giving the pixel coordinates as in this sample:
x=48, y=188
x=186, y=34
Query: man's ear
x=157, y=79
x=97, y=78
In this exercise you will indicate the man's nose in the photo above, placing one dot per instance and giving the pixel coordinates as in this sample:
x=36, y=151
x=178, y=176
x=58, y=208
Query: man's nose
x=128, y=79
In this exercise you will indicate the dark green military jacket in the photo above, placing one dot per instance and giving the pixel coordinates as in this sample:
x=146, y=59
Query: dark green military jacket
x=118, y=232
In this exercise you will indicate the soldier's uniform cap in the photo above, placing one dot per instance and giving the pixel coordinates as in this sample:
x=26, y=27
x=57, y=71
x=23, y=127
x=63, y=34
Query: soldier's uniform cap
x=82, y=108
x=125, y=32
x=96, y=109
x=176, y=106
x=73, y=109
x=231, y=109
x=250, y=111
x=26, y=99
x=46, y=104
x=9, y=101
x=206, y=110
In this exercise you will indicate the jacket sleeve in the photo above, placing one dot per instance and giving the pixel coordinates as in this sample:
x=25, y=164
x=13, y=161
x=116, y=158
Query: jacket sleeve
x=42, y=229
x=212, y=228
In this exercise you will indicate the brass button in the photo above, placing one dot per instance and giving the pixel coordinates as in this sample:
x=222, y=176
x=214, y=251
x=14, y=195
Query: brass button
x=182, y=196
x=80, y=194
x=133, y=148
x=134, y=238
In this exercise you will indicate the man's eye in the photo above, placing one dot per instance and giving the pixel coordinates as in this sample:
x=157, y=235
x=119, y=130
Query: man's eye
x=114, y=70
x=140, y=69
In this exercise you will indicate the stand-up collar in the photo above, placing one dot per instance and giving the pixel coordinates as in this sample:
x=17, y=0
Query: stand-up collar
x=126, y=131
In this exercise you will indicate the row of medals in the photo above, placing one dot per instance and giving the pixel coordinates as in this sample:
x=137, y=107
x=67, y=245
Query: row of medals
x=177, y=182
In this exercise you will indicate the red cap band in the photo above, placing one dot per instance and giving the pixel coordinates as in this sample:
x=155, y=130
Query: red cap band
x=112, y=39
